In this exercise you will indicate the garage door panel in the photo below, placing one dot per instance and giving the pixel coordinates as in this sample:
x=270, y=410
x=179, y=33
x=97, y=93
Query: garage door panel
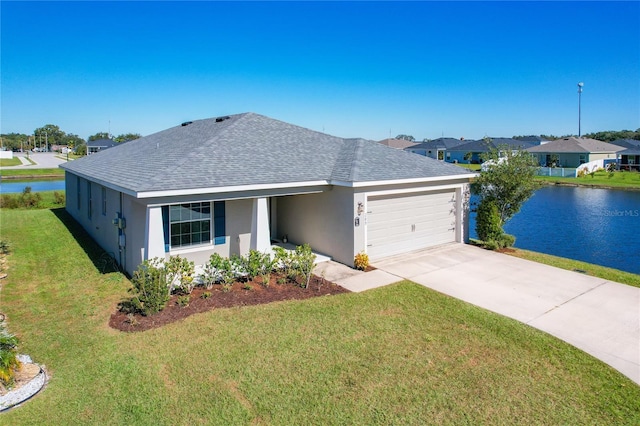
x=404, y=222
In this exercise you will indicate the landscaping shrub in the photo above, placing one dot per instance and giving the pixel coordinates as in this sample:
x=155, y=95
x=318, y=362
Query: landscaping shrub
x=361, y=261
x=305, y=260
x=180, y=274
x=8, y=356
x=26, y=199
x=58, y=198
x=150, y=285
x=4, y=247
x=488, y=226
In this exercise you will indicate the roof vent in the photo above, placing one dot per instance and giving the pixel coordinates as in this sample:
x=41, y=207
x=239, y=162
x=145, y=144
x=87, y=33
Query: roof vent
x=186, y=123
x=220, y=119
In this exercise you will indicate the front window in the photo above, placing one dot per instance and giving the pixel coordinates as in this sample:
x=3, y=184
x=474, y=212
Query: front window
x=190, y=224
x=583, y=158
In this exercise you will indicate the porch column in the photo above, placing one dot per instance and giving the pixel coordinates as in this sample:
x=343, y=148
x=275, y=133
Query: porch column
x=260, y=235
x=154, y=234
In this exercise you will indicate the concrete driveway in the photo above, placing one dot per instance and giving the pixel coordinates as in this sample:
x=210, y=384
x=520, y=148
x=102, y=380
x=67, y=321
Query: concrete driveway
x=598, y=316
x=43, y=160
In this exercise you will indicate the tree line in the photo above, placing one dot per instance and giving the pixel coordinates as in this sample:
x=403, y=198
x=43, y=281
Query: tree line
x=48, y=135
x=605, y=136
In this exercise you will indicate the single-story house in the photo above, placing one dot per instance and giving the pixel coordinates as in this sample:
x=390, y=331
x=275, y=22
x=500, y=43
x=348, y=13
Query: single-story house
x=534, y=140
x=99, y=145
x=234, y=183
x=629, y=157
x=436, y=148
x=397, y=143
x=572, y=152
x=472, y=151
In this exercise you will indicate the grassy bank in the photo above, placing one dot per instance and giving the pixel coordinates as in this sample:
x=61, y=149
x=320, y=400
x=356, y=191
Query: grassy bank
x=31, y=173
x=622, y=180
x=576, y=265
x=398, y=354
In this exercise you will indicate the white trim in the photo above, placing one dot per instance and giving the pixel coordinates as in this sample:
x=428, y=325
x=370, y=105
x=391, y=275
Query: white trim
x=403, y=181
x=246, y=197
x=412, y=190
x=222, y=189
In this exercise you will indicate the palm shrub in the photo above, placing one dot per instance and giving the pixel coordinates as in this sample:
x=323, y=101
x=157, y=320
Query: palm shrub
x=9, y=362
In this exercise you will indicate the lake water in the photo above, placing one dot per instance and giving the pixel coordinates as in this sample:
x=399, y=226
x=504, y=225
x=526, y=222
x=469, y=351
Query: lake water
x=8, y=187
x=600, y=226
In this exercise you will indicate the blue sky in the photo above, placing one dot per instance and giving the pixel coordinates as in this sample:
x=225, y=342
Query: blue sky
x=362, y=69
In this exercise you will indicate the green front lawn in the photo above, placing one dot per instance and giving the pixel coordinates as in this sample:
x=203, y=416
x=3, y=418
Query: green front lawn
x=602, y=179
x=401, y=354
x=7, y=162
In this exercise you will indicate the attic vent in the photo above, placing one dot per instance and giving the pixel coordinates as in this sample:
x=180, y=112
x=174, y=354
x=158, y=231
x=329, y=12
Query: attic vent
x=186, y=123
x=220, y=119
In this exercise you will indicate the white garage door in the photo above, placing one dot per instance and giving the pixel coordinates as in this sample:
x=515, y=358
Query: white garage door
x=400, y=223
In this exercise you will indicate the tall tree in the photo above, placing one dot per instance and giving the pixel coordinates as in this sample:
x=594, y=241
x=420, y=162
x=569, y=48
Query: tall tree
x=125, y=137
x=50, y=134
x=98, y=136
x=406, y=137
x=505, y=183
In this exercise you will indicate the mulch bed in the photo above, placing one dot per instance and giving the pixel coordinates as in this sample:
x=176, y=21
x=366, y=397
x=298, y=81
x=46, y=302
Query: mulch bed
x=238, y=295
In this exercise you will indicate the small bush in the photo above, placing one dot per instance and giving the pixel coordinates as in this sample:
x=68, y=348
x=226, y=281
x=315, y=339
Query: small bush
x=5, y=247
x=183, y=301
x=361, y=261
x=58, y=198
x=205, y=295
x=179, y=272
x=305, y=261
x=507, y=240
x=9, y=363
x=150, y=285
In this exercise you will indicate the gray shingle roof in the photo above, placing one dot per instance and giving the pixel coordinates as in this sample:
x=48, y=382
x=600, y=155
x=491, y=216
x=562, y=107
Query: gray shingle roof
x=627, y=143
x=102, y=143
x=484, y=146
x=446, y=143
x=576, y=145
x=249, y=149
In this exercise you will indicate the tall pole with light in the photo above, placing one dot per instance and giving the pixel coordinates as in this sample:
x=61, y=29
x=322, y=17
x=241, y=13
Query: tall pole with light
x=580, y=85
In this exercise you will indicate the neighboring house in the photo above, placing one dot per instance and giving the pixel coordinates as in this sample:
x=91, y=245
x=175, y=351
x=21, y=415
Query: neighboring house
x=436, y=148
x=471, y=152
x=533, y=140
x=572, y=152
x=99, y=145
x=230, y=184
x=629, y=157
x=397, y=143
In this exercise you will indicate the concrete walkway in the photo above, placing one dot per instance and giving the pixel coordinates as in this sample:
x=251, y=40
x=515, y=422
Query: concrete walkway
x=598, y=316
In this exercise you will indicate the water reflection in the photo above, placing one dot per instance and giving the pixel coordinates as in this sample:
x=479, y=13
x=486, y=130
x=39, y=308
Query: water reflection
x=599, y=226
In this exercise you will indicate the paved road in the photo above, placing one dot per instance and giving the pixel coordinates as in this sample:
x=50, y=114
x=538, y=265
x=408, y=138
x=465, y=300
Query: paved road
x=598, y=316
x=43, y=160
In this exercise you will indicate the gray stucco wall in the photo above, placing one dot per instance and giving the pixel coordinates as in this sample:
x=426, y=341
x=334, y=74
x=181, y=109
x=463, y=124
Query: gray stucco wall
x=324, y=221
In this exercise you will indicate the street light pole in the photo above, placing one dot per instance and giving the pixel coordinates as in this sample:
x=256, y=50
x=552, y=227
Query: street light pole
x=580, y=85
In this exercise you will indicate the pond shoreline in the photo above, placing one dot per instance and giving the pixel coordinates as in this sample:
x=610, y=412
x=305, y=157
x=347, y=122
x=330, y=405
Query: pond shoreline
x=32, y=177
x=583, y=185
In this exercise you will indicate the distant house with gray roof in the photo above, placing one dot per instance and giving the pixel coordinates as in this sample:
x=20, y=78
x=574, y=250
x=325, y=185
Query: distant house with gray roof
x=572, y=152
x=99, y=145
x=472, y=151
x=230, y=184
x=397, y=143
x=629, y=157
x=436, y=148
